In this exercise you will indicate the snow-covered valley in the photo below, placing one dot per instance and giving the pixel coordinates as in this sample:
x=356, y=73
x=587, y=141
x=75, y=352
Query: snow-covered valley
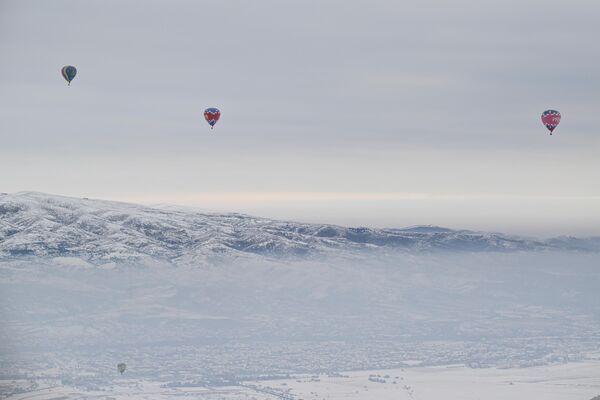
x=190, y=299
x=556, y=382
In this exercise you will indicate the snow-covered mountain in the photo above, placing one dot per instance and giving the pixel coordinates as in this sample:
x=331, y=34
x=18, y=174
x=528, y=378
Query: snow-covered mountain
x=43, y=225
x=239, y=296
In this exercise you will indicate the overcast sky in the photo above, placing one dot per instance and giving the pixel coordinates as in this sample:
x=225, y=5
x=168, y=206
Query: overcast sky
x=381, y=113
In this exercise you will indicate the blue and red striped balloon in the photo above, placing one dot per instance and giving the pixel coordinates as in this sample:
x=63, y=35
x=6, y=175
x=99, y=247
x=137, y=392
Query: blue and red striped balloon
x=212, y=115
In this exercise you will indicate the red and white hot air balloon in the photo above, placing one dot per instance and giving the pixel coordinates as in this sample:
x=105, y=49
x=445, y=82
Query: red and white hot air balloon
x=551, y=119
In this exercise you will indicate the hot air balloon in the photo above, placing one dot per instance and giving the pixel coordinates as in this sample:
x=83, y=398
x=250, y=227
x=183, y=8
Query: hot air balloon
x=551, y=119
x=121, y=367
x=68, y=72
x=212, y=115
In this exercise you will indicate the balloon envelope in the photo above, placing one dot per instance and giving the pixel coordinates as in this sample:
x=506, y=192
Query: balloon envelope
x=121, y=367
x=551, y=119
x=212, y=115
x=68, y=72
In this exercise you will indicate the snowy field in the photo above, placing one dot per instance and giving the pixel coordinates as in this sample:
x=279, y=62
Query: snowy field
x=556, y=382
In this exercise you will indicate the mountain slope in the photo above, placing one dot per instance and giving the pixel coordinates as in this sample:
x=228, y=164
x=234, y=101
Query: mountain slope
x=42, y=225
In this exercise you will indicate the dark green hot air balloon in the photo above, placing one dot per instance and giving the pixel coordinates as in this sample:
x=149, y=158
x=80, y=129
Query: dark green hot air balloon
x=121, y=367
x=68, y=72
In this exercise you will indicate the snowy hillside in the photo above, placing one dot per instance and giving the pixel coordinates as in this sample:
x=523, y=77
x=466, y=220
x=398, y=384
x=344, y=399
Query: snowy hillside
x=237, y=298
x=42, y=225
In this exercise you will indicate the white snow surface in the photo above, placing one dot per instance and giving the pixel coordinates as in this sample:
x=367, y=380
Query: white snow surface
x=573, y=381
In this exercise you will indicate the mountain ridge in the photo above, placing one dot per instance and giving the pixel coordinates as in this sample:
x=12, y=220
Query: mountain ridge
x=34, y=224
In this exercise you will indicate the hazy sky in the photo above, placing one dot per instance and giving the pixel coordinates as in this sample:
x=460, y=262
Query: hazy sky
x=381, y=113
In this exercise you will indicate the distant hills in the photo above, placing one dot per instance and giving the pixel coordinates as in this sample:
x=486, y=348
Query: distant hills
x=42, y=225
